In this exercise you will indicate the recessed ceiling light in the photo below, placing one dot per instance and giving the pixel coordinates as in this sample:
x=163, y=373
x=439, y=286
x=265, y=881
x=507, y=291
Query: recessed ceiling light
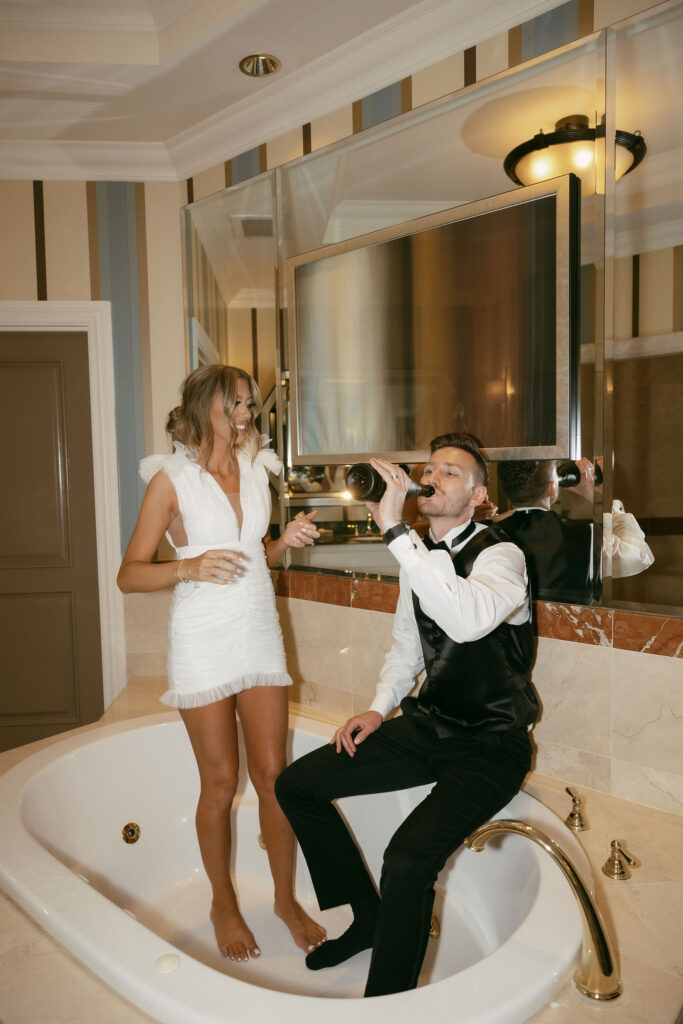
x=258, y=64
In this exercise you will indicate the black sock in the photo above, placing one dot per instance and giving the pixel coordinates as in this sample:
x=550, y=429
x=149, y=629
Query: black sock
x=357, y=937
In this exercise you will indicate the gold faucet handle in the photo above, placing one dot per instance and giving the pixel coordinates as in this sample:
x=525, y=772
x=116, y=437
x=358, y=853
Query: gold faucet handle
x=617, y=864
x=633, y=861
x=576, y=820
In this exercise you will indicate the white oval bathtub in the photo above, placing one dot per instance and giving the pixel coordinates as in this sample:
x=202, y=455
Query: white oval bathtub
x=136, y=914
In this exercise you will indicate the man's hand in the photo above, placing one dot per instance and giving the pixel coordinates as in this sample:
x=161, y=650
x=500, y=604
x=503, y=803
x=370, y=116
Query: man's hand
x=587, y=486
x=388, y=511
x=355, y=731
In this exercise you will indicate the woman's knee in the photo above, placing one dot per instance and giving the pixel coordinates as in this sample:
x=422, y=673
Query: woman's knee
x=218, y=789
x=263, y=777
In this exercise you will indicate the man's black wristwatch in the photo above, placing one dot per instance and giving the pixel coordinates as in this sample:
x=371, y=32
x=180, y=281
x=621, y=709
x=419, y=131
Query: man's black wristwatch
x=395, y=531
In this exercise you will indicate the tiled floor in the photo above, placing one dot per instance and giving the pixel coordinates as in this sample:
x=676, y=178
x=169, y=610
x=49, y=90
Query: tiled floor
x=41, y=984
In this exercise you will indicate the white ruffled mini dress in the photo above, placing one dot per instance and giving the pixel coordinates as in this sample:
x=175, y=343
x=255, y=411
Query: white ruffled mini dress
x=222, y=638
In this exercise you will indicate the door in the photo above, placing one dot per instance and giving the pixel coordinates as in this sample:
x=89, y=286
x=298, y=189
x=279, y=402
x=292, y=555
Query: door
x=50, y=650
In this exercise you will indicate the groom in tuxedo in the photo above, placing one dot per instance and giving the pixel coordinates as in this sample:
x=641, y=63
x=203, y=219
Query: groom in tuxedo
x=464, y=616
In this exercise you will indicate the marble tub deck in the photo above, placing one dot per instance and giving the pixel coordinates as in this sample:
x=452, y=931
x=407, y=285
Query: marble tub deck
x=40, y=983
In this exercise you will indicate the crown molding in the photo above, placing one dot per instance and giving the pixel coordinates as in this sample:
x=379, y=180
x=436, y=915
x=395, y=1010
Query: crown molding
x=60, y=160
x=54, y=16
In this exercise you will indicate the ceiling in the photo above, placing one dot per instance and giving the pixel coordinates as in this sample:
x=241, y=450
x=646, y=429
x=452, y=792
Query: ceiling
x=150, y=89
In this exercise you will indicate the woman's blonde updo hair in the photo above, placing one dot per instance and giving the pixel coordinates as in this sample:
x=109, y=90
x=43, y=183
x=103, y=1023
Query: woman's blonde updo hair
x=190, y=422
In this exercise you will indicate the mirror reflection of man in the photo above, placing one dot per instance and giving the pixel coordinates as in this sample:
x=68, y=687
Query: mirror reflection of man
x=464, y=616
x=563, y=555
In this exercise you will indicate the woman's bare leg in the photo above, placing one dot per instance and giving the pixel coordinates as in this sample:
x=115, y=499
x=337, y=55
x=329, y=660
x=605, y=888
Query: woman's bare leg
x=213, y=733
x=263, y=713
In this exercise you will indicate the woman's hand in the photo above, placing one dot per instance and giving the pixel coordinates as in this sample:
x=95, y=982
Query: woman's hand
x=219, y=567
x=389, y=510
x=300, y=531
x=355, y=731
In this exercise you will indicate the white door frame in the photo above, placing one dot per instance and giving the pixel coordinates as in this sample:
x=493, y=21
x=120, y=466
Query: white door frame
x=95, y=319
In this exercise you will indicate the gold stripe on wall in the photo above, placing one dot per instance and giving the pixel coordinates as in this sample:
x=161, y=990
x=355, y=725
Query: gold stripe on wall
x=39, y=230
x=586, y=17
x=406, y=95
x=515, y=46
x=470, y=65
x=228, y=173
x=678, y=287
x=357, y=116
x=93, y=245
x=262, y=158
x=190, y=190
x=143, y=297
x=306, y=136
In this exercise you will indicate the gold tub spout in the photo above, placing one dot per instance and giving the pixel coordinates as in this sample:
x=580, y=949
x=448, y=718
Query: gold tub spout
x=597, y=976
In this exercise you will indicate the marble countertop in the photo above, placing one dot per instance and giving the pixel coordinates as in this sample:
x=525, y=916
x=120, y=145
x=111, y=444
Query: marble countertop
x=40, y=983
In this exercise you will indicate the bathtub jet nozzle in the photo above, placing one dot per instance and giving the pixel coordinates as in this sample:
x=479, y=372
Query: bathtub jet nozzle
x=130, y=833
x=597, y=976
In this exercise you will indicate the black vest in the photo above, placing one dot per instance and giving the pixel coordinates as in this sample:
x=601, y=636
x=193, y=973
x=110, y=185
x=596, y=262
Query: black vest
x=557, y=553
x=479, y=685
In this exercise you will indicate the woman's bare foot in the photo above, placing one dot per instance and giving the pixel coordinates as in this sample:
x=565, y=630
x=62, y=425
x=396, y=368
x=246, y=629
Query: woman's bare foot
x=307, y=934
x=234, y=938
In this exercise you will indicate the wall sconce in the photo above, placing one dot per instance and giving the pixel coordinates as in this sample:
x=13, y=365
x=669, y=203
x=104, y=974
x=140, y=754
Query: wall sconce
x=571, y=147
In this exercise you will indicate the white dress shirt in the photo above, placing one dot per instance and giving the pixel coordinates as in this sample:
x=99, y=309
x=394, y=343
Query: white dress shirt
x=465, y=609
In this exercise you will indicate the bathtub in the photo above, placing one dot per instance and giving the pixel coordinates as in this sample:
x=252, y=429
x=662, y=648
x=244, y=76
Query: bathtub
x=137, y=913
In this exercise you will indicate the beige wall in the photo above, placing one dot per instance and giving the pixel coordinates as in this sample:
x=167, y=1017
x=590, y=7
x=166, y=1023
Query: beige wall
x=66, y=240
x=18, y=278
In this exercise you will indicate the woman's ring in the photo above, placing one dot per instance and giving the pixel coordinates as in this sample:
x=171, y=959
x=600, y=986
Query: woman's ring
x=395, y=476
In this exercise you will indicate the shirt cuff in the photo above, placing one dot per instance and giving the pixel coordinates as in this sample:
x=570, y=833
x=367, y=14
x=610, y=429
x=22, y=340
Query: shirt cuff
x=404, y=550
x=383, y=703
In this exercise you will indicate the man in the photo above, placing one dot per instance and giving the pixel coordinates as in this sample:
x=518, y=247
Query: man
x=464, y=615
x=563, y=562
x=563, y=555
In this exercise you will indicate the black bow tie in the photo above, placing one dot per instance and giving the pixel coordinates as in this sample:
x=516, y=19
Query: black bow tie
x=431, y=545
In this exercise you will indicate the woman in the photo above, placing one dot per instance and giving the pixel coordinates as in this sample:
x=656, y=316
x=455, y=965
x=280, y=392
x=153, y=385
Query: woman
x=212, y=501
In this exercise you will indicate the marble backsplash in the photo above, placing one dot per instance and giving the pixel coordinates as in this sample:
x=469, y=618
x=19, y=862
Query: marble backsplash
x=610, y=682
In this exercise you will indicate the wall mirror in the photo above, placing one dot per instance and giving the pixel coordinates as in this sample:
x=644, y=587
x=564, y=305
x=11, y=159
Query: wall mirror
x=448, y=153
x=462, y=320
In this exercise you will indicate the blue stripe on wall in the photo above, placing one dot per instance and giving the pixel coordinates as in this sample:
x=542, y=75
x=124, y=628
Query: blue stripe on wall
x=550, y=30
x=381, y=106
x=246, y=165
x=117, y=245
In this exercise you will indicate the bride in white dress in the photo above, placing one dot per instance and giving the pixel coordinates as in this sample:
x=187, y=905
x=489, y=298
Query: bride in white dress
x=211, y=500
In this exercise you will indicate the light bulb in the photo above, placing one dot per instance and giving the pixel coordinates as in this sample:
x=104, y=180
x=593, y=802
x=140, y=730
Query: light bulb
x=583, y=158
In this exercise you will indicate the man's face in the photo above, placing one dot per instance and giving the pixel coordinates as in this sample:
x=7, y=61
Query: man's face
x=452, y=473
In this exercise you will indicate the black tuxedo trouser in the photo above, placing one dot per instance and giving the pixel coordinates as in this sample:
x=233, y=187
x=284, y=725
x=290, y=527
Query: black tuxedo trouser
x=475, y=774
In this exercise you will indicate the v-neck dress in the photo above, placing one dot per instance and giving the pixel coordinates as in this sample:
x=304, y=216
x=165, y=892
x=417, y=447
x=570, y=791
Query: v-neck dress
x=223, y=638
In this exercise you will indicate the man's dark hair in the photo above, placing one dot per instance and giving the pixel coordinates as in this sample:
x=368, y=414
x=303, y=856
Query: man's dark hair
x=525, y=483
x=469, y=443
